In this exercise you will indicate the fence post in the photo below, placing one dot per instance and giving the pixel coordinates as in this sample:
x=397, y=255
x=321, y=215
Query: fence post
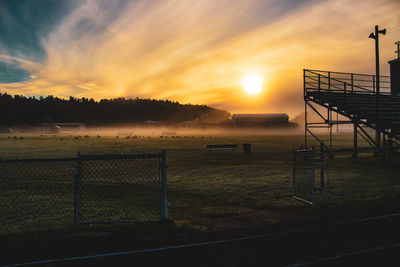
x=77, y=190
x=313, y=174
x=355, y=144
x=322, y=159
x=294, y=171
x=164, y=206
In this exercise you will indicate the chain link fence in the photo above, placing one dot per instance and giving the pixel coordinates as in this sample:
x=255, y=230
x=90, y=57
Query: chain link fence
x=58, y=193
x=36, y=193
x=345, y=175
x=361, y=174
x=303, y=179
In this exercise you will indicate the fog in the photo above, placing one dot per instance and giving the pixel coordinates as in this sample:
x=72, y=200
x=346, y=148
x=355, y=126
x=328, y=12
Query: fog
x=130, y=131
x=181, y=132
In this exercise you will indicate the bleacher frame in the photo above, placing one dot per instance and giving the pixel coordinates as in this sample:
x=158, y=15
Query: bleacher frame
x=356, y=99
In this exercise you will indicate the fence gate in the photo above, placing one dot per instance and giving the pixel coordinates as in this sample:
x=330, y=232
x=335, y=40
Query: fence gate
x=120, y=188
x=303, y=179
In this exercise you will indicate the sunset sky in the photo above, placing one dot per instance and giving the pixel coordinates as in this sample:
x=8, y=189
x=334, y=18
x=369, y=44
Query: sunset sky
x=191, y=51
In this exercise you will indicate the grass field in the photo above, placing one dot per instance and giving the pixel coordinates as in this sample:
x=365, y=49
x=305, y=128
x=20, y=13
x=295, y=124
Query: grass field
x=216, y=190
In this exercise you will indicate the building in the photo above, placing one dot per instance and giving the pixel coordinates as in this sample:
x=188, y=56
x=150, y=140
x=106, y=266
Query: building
x=260, y=120
x=395, y=76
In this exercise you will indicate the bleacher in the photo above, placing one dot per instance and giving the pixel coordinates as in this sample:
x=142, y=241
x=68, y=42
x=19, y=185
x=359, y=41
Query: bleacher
x=354, y=96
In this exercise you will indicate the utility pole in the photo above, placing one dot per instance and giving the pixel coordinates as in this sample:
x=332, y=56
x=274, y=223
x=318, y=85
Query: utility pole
x=377, y=92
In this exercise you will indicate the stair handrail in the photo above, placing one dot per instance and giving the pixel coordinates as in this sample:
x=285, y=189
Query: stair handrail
x=334, y=85
x=318, y=74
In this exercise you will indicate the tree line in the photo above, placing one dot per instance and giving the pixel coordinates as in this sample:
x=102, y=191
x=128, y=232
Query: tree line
x=22, y=110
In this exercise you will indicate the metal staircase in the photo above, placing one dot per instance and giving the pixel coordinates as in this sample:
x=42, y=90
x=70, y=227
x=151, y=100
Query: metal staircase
x=354, y=97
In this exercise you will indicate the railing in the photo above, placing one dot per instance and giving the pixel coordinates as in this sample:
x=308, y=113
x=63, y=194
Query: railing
x=343, y=90
x=341, y=82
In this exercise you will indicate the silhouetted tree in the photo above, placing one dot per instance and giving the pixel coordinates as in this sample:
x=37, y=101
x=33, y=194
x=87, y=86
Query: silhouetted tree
x=18, y=110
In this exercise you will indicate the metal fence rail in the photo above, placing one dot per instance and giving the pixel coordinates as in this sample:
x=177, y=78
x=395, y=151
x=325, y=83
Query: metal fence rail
x=60, y=192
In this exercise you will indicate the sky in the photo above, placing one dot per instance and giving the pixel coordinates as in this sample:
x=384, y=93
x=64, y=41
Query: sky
x=191, y=51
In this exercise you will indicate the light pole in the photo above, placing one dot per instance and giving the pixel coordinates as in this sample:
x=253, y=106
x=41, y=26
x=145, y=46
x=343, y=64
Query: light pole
x=377, y=92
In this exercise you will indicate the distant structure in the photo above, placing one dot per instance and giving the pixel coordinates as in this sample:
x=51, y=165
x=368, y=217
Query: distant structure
x=5, y=130
x=260, y=120
x=57, y=127
x=395, y=72
x=49, y=128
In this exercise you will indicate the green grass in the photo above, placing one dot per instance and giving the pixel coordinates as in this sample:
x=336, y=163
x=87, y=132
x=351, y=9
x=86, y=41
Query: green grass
x=206, y=191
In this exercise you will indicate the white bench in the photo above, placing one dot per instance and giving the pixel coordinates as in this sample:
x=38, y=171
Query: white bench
x=222, y=147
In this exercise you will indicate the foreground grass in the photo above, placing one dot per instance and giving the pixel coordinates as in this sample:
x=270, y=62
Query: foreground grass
x=218, y=190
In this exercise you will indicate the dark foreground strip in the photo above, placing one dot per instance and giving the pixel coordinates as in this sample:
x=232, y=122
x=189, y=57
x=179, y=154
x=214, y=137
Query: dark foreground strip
x=341, y=256
x=216, y=242
x=140, y=251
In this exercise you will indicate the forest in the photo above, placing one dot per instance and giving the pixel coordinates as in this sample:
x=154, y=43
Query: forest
x=22, y=110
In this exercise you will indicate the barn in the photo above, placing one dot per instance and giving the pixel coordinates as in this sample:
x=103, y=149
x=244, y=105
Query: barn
x=260, y=120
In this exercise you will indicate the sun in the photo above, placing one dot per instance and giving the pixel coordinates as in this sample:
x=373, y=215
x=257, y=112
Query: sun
x=252, y=84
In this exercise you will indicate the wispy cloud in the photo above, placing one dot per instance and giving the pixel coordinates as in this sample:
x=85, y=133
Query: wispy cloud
x=197, y=51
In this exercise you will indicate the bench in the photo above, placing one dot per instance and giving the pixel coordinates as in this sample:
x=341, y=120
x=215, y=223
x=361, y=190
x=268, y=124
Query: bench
x=222, y=147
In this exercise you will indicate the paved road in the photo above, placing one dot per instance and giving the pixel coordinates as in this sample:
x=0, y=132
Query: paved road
x=362, y=242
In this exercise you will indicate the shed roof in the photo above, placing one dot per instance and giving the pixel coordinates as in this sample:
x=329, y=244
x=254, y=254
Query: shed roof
x=261, y=115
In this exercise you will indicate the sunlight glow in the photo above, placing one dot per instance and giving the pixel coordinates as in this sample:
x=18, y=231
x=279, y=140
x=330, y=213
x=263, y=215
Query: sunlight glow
x=252, y=84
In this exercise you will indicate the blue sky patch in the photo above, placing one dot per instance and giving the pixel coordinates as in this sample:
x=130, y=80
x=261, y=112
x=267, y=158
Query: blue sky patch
x=10, y=73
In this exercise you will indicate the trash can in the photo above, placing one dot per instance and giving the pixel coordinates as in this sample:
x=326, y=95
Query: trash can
x=246, y=148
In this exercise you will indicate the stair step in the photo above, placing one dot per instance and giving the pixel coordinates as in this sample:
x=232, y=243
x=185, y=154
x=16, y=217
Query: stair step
x=363, y=106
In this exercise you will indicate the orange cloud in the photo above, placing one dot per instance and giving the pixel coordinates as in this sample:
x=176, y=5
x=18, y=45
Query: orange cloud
x=190, y=51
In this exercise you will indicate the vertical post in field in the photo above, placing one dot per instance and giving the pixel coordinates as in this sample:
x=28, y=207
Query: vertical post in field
x=378, y=91
x=312, y=175
x=77, y=190
x=375, y=36
x=164, y=206
x=322, y=159
x=293, y=171
x=355, y=143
